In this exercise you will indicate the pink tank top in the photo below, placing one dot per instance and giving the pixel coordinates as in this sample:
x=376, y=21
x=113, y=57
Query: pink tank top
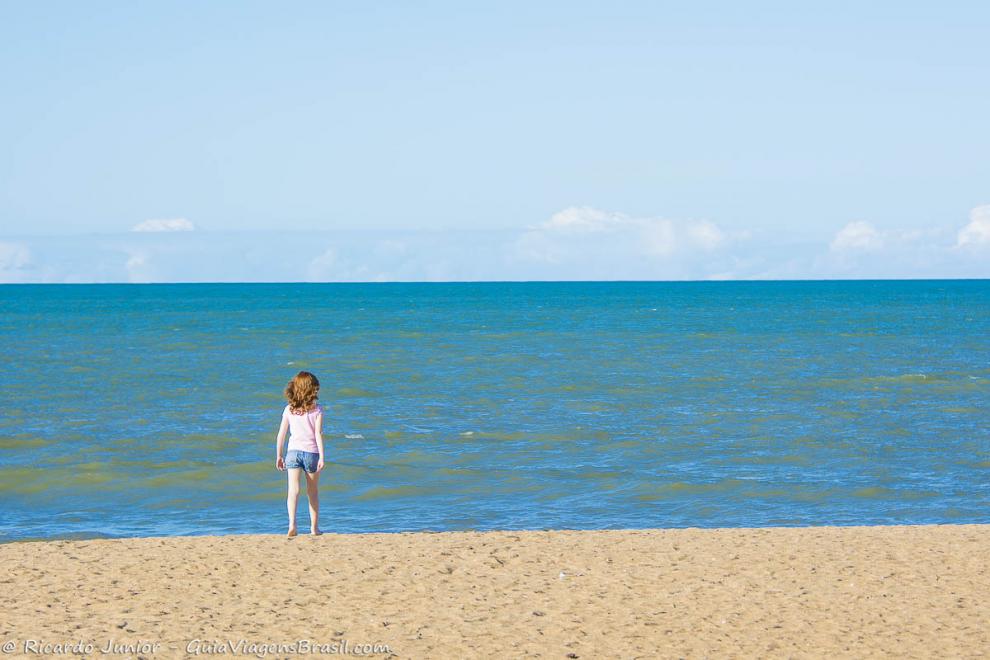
x=302, y=429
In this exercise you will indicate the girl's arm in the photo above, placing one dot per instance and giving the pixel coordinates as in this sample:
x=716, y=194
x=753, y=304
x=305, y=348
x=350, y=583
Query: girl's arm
x=279, y=441
x=319, y=438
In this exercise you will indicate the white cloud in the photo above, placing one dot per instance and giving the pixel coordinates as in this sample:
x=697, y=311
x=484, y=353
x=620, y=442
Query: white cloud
x=14, y=256
x=138, y=267
x=706, y=234
x=14, y=259
x=584, y=234
x=657, y=237
x=390, y=249
x=323, y=267
x=857, y=236
x=579, y=243
x=580, y=219
x=171, y=224
x=977, y=232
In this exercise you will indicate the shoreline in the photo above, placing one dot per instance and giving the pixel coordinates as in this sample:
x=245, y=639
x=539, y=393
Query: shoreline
x=682, y=592
x=304, y=534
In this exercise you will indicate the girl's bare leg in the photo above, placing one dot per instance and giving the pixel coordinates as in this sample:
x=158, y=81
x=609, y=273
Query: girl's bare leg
x=292, y=498
x=313, y=493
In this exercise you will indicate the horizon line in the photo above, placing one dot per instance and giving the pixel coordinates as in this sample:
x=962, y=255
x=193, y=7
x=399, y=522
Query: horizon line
x=617, y=281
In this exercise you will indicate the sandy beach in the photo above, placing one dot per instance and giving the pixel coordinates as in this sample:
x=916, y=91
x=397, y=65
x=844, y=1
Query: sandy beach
x=911, y=591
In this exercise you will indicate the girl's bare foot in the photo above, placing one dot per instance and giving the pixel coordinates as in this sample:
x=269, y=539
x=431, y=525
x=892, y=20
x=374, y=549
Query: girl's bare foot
x=315, y=531
x=292, y=532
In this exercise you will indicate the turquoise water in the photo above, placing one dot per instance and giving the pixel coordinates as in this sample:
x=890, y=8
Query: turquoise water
x=151, y=409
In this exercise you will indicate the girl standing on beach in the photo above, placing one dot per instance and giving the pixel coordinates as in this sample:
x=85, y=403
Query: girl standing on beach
x=303, y=418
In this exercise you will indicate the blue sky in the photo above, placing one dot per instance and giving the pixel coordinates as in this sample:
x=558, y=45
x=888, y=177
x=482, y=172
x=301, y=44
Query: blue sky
x=537, y=140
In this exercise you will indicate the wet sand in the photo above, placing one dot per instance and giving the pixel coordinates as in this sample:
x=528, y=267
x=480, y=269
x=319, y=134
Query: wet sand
x=913, y=591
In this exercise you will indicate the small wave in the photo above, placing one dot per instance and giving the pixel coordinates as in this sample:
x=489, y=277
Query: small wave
x=395, y=492
x=908, y=378
x=413, y=458
x=83, y=535
x=510, y=436
x=356, y=393
x=883, y=493
x=354, y=436
x=459, y=471
x=652, y=492
x=21, y=442
x=183, y=479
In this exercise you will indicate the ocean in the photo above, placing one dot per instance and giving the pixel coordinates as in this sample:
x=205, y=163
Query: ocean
x=151, y=409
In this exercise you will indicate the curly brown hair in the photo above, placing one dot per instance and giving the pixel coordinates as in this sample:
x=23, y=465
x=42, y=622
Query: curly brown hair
x=302, y=392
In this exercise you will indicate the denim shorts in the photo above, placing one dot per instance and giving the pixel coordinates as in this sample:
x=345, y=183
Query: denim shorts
x=306, y=460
